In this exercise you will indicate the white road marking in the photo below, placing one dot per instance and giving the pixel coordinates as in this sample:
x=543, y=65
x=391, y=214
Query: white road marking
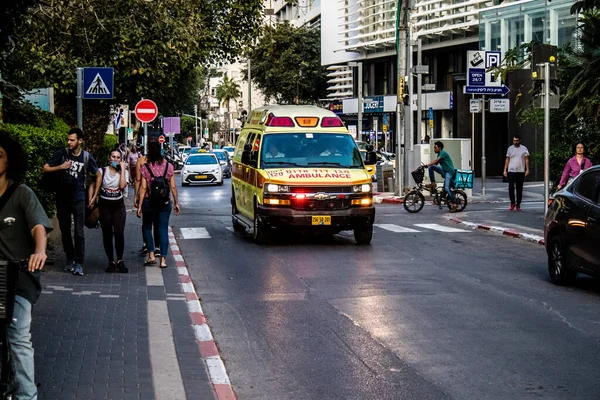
x=216, y=370
x=440, y=228
x=396, y=228
x=166, y=375
x=194, y=233
x=229, y=228
x=154, y=276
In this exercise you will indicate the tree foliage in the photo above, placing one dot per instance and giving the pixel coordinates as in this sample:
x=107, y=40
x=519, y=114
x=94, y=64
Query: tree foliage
x=155, y=48
x=286, y=64
x=227, y=91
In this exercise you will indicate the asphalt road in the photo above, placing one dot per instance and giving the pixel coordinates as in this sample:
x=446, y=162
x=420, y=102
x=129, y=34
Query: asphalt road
x=421, y=313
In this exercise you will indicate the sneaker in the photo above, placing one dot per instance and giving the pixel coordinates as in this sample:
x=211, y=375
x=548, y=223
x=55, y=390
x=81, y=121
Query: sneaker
x=512, y=207
x=69, y=266
x=157, y=252
x=518, y=208
x=144, y=250
x=121, y=267
x=112, y=267
x=78, y=270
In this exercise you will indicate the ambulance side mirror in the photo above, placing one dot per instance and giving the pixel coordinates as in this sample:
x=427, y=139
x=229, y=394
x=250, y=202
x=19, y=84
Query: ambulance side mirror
x=371, y=158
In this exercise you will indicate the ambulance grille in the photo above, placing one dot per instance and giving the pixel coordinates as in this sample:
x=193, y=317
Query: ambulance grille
x=320, y=189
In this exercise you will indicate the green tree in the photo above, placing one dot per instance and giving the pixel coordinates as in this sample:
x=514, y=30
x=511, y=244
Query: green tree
x=155, y=48
x=286, y=64
x=227, y=91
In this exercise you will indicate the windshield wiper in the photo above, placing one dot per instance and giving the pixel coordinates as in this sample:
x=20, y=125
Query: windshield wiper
x=337, y=164
x=281, y=163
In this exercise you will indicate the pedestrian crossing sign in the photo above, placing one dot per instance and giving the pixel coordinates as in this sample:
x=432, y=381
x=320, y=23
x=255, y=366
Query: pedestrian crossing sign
x=98, y=83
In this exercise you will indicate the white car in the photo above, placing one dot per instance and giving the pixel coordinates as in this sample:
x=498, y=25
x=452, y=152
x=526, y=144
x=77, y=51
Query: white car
x=201, y=168
x=184, y=151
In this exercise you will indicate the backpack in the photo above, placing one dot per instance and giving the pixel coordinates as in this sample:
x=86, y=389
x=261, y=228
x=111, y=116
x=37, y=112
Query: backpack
x=159, y=189
x=62, y=181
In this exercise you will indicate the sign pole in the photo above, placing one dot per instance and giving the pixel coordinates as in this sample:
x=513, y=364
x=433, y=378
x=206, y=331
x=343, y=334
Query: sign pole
x=145, y=138
x=483, y=170
x=360, y=100
x=546, y=135
x=80, y=98
x=419, y=93
x=472, y=161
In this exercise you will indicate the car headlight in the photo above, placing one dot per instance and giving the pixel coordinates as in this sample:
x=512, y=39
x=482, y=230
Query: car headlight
x=273, y=188
x=361, y=188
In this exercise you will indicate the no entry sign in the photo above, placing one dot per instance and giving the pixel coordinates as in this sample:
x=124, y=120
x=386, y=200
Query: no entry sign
x=161, y=139
x=146, y=110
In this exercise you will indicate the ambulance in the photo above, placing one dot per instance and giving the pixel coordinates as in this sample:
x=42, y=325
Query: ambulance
x=298, y=168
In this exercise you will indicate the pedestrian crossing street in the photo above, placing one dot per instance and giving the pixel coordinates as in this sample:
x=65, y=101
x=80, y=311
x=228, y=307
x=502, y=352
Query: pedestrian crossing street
x=203, y=233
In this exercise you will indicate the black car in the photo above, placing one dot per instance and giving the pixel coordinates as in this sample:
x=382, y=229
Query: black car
x=572, y=229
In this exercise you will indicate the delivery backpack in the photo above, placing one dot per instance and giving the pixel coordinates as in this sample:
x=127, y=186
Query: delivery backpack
x=159, y=189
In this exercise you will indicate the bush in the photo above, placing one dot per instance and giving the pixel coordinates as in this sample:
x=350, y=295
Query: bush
x=39, y=144
x=110, y=142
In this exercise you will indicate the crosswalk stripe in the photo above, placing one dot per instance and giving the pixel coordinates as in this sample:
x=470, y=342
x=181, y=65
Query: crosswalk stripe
x=395, y=228
x=194, y=233
x=440, y=228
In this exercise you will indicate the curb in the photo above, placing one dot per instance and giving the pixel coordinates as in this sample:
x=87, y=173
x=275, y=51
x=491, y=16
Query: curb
x=388, y=199
x=206, y=344
x=531, y=238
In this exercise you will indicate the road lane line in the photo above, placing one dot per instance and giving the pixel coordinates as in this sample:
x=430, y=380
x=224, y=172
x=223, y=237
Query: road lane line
x=440, y=228
x=166, y=375
x=194, y=233
x=396, y=228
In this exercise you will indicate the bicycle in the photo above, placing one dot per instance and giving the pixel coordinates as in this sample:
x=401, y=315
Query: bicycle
x=415, y=200
x=9, y=274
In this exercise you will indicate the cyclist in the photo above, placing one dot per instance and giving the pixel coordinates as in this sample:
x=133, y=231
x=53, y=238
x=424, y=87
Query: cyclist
x=23, y=228
x=442, y=165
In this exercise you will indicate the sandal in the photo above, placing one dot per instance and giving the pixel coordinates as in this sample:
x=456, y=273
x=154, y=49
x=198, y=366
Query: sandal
x=148, y=262
x=164, y=266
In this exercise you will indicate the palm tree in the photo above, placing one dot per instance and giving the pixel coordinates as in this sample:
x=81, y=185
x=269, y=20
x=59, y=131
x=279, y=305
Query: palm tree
x=228, y=90
x=584, y=89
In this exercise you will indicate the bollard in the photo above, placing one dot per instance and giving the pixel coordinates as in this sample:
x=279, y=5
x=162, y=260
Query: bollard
x=390, y=184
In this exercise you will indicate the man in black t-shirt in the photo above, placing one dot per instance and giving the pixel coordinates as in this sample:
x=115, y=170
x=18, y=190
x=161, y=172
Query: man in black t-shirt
x=23, y=228
x=80, y=164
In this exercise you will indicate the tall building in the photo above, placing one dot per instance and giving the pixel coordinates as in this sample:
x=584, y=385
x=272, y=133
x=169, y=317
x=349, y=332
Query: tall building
x=364, y=31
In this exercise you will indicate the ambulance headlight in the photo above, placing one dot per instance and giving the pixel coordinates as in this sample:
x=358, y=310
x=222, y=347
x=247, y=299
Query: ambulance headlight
x=361, y=188
x=273, y=188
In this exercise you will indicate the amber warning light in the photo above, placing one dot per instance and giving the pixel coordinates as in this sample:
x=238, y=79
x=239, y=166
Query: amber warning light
x=307, y=122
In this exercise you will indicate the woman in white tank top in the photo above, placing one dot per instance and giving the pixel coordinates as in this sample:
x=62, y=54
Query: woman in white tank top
x=110, y=186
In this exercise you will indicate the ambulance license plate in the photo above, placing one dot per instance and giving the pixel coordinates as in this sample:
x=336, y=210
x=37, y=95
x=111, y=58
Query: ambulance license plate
x=321, y=220
x=200, y=176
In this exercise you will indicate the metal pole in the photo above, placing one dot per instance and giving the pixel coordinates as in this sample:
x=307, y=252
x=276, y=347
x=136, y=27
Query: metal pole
x=546, y=134
x=472, y=162
x=196, y=120
x=401, y=137
x=483, y=170
x=420, y=93
x=145, y=138
x=80, y=98
x=249, y=87
x=360, y=100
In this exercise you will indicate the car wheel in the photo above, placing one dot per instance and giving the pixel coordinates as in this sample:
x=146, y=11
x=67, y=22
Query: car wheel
x=363, y=235
x=558, y=265
x=184, y=183
x=220, y=183
x=259, y=233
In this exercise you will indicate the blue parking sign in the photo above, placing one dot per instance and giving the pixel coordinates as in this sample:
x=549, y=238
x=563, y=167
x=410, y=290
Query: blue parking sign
x=476, y=77
x=98, y=83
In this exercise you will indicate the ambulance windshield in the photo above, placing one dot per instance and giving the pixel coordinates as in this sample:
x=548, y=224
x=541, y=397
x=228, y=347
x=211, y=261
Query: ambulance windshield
x=310, y=150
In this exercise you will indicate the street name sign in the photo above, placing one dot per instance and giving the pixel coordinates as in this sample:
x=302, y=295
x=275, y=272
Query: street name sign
x=499, y=105
x=486, y=90
x=98, y=83
x=146, y=110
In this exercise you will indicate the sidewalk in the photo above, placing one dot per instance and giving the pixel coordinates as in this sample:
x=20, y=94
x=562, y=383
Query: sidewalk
x=496, y=192
x=116, y=336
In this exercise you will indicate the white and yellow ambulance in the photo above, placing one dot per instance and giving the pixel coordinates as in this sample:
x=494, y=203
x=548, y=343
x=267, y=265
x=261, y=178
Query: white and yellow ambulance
x=298, y=167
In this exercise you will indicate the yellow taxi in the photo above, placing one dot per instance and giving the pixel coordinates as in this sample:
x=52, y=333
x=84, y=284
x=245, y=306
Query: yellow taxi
x=299, y=167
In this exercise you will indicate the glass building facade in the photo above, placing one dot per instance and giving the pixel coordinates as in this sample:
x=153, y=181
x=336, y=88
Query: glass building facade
x=509, y=25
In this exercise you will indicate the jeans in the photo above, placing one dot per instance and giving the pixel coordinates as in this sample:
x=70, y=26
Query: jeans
x=515, y=179
x=112, y=222
x=64, y=210
x=21, y=350
x=448, y=178
x=160, y=219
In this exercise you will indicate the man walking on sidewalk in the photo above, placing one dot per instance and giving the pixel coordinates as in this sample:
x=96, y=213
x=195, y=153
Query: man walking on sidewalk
x=516, y=168
x=72, y=201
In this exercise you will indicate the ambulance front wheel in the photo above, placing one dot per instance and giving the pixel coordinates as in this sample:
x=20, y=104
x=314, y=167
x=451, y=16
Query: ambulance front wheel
x=363, y=235
x=259, y=233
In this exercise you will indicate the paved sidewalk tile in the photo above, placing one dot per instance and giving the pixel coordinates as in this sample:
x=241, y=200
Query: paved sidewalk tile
x=91, y=333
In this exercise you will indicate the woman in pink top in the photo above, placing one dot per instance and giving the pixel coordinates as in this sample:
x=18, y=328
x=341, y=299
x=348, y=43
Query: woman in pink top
x=575, y=166
x=153, y=214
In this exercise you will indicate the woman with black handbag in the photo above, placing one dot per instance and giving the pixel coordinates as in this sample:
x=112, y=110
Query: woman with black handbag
x=109, y=194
